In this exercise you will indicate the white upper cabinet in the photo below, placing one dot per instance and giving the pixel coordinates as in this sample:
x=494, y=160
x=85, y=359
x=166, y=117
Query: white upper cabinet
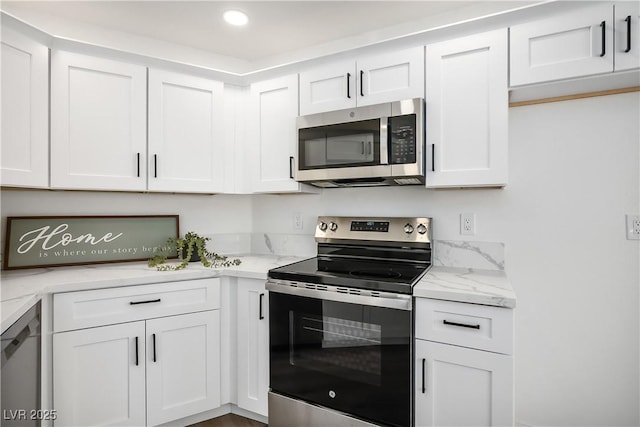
x=25, y=109
x=185, y=133
x=467, y=111
x=369, y=80
x=572, y=44
x=627, y=40
x=272, y=139
x=98, y=123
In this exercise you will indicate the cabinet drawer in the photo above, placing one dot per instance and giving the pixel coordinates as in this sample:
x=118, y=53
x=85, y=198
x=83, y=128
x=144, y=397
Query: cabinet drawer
x=467, y=325
x=85, y=309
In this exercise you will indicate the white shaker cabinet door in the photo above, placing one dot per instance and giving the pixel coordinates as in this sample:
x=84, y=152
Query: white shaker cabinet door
x=627, y=39
x=253, y=345
x=183, y=365
x=467, y=111
x=185, y=133
x=98, y=123
x=390, y=77
x=25, y=108
x=458, y=386
x=328, y=88
x=573, y=44
x=99, y=376
x=272, y=139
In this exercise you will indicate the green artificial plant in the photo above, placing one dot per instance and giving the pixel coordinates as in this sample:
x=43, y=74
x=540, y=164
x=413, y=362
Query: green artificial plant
x=187, y=246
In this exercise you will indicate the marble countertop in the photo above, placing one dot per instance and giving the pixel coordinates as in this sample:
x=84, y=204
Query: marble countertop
x=488, y=287
x=20, y=289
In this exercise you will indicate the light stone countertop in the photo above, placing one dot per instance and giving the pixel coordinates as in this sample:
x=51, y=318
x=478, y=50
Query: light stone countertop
x=487, y=287
x=20, y=289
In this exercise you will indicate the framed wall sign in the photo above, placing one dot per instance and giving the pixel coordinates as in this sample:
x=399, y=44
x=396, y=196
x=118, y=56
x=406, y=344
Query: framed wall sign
x=48, y=241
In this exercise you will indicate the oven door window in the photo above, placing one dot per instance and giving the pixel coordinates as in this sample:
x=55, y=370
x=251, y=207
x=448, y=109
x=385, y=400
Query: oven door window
x=348, y=357
x=342, y=145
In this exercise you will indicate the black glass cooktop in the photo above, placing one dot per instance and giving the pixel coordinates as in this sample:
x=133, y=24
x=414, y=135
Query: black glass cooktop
x=375, y=275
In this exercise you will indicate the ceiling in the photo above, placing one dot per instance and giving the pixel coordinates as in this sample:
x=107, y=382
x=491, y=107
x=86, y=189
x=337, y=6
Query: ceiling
x=275, y=27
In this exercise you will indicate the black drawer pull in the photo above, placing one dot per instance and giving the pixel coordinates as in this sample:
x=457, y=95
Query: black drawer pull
x=628, y=21
x=136, y=351
x=155, y=359
x=144, y=302
x=138, y=163
x=463, y=325
x=261, y=315
x=424, y=373
x=603, y=26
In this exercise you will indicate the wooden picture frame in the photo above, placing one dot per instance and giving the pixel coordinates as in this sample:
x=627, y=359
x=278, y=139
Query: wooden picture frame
x=54, y=241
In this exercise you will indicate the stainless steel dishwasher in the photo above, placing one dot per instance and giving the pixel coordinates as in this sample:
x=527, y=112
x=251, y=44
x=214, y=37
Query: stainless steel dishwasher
x=20, y=371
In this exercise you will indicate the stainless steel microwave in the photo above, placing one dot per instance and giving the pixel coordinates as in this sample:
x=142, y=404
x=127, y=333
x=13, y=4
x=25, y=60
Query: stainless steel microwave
x=375, y=145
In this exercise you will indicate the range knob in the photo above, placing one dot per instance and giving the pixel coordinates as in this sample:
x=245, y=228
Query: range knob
x=333, y=226
x=322, y=226
x=408, y=228
x=422, y=229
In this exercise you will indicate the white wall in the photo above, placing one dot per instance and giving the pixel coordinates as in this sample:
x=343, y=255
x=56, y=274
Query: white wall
x=574, y=174
x=202, y=213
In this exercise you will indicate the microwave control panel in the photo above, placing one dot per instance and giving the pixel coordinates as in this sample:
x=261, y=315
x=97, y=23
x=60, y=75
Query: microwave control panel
x=402, y=139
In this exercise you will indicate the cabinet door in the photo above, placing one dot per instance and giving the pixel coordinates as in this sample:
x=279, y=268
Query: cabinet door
x=253, y=345
x=99, y=376
x=573, y=44
x=272, y=135
x=183, y=366
x=391, y=77
x=328, y=88
x=458, y=386
x=25, y=111
x=627, y=42
x=467, y=111
x=185, y=133
x=98, y=123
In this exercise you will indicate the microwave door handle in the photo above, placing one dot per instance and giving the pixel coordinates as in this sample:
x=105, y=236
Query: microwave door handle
x=384, y=141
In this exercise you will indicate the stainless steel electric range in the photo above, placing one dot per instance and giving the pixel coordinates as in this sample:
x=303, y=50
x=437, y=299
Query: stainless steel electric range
x=341, y=325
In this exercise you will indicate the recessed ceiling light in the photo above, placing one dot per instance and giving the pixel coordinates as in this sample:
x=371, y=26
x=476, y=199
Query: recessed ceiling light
x=235, y=17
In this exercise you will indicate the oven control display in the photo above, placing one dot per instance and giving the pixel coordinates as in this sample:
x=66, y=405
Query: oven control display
x=382, y=226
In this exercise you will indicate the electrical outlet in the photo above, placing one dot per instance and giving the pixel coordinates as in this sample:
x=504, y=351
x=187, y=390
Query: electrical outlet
x=297, y=221
x=468, y=224
x=633, y=227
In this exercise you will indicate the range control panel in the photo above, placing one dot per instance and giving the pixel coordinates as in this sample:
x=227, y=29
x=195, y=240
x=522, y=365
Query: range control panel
x=393, y=229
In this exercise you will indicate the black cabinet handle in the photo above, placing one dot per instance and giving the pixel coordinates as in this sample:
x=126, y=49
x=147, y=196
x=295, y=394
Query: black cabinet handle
x=603, y=25
x=462, y=325
x=291, y=167
x=348, y=85
x=138, y=163
x=628, y=21
x=144, y=302
x=433, y=157
x=424, y=374
x=261, y=315
x=155, y=165
x=361, y=83
x=153, y=337
x=136, y=351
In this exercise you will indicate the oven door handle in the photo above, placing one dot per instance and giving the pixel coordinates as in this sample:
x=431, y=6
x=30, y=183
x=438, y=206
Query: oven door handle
x=398, y=302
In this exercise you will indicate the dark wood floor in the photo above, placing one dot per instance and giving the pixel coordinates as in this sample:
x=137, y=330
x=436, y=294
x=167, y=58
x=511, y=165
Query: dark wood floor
x=229, y=420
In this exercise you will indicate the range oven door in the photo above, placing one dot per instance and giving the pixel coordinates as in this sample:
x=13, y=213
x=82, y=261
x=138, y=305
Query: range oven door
x=345, y=356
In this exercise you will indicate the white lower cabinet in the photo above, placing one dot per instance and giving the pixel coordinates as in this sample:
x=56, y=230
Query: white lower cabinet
x=142, y=372
x=253, y=345
x=463, y=364
x=458, y=386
